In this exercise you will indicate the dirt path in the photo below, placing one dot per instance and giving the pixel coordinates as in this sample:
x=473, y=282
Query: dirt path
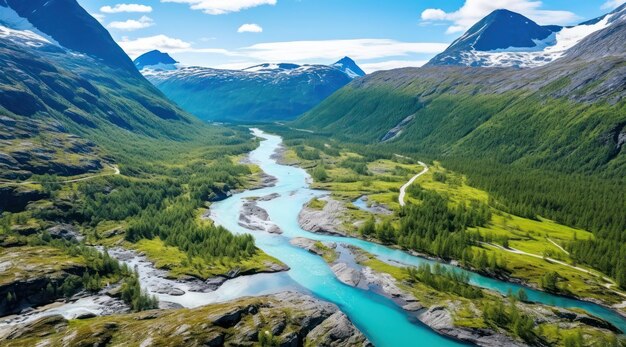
x=558, y=246
x=552, y=260
x=406, y=185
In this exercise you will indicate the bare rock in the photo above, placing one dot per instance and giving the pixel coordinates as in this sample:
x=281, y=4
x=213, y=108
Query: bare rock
x=253, y=217
x=440, y=319
x=336, y=330
x=65, y=231
x=347, y=274
x=323, y=221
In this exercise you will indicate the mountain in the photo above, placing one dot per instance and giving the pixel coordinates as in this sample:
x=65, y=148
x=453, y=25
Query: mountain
x=79, y=31
x=508, y=39
x=155, y=60
x=568, y=115
x=349, y=67
x=546, y=142
x=66, y=99
x=265, y=92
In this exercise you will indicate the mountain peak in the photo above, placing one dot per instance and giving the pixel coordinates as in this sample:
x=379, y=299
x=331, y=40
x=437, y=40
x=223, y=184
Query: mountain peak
x=349, y=67
x=508, y=39
x=503, y=29
x=155, y=59
x=79, y=31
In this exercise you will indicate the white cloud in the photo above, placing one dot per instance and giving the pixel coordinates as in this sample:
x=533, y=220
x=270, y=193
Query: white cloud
x=360, y=49
x=163, y=43
x=434, y=14
x=391, y=64
x=612, y=4
x=250, y=28
x=119, y=8
x=473, y=11
x=216, y=7
x=131, y=24
x=293, y=51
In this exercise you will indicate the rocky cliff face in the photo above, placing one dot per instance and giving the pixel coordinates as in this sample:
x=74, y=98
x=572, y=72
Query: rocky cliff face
x=286, y=319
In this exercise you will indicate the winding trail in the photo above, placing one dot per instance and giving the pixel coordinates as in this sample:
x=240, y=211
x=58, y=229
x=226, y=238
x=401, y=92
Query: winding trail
x=558, y=246
x=552, y=260
x=406, y=185
x=116, y=171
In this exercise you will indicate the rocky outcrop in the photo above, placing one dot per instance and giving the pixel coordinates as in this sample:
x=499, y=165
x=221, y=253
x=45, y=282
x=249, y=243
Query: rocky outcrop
x=440, y=319
x=307, y=244
x=337, y=330
x=253, y=217
x=24, y=153
x=16, y=198
x=288, y=319
x=324, y=221
x=347, y=274
x=398, y=129
x=269, y=197
x=28, y=271
x=267, y=181
x=387, y=286
x=65, y=232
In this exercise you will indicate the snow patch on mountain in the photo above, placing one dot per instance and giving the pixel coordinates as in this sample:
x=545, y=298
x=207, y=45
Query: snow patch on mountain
x=349, y=67
x=537, y=46
x=544, y=51
x=20, y=30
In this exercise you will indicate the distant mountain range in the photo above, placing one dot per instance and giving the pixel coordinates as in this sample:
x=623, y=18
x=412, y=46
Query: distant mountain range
x=508, y=39
x=261, y=93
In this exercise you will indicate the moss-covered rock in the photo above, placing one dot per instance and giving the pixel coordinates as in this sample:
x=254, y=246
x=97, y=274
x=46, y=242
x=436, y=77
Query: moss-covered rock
x=290, y=319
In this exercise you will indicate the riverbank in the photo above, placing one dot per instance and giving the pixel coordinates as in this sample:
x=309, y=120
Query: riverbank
x=449, y=314
x=331, y=282
x=379, y=179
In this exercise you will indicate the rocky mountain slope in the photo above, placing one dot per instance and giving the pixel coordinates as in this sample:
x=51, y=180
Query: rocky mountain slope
x=57, y=87
x=79, y=32
x=510, y=114
x=261, y=93
x=508, y=39
x=286, y=319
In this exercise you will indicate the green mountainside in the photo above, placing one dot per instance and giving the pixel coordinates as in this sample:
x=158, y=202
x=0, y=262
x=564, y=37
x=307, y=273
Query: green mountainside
x=91, y=154
x=546, y=141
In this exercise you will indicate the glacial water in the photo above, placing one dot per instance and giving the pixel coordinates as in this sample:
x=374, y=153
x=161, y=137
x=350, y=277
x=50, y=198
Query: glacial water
x=377, y=317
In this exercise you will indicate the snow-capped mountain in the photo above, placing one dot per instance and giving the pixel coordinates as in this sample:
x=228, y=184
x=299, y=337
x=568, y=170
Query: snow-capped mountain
x=155, y=60
x=63, y=23
x=264, y=92
x=47, y=75
x=508, y=39
x=349, y=67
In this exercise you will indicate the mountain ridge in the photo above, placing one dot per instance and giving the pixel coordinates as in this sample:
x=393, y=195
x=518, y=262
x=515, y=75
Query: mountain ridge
x=418, y=92
x=508, y=39
x=264, y=92
x=80, y=31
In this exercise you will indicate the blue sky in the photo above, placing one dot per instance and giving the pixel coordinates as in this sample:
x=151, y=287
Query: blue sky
x=377, y=34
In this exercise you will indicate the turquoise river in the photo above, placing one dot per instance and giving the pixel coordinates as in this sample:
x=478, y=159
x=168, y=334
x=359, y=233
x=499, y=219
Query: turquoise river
x=383, y=322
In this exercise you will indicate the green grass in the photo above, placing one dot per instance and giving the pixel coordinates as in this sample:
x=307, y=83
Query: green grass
x=328, y=254
x=22, y=263
x=468, y=313
x=317, y=204
x=178, y=264
x=387, y=175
